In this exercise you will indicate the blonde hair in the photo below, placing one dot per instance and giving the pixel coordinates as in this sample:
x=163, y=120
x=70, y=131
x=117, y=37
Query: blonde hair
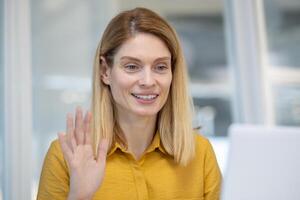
x=175, y=118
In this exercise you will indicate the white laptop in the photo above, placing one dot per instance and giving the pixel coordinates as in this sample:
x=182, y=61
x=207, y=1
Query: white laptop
x=263, y=163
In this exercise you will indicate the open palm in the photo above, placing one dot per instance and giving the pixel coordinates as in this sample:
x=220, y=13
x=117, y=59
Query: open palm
x=86, y=170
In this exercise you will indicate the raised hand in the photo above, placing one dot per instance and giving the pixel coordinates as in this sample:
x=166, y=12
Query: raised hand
x=86, y=171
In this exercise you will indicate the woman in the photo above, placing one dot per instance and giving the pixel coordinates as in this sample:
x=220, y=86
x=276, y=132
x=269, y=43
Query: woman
x=139, y=144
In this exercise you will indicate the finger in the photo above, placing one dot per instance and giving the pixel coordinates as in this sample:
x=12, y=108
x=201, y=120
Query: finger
x=70, y=131
x=102, y=151
x=66, y=150
x=79, y=134
x=73, y=143
x=87, y=127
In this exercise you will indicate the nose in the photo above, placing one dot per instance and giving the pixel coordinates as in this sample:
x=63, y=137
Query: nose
x=147, y=78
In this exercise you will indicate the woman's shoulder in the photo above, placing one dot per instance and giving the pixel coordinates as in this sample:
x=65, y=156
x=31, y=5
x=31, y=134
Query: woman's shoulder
x=54, y=151
x=54, y=178
x=200, y=139
x=202, y=144
x=55, y=146
x=54, y=159
x=205, y=157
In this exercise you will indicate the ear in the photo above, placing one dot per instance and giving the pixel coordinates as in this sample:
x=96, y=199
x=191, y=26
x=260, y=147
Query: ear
x=105, y=71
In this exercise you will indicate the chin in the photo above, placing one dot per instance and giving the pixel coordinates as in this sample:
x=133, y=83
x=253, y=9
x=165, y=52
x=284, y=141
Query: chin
x=146, y=113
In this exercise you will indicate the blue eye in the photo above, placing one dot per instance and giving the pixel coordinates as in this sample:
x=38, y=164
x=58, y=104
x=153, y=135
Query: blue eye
x=131, y=67
x=161, y=68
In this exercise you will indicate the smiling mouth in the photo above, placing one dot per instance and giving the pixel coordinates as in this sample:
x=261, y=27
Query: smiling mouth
x=145, y=97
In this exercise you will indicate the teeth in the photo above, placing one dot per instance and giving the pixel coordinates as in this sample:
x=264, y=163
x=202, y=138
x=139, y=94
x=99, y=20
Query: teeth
x=145, y=97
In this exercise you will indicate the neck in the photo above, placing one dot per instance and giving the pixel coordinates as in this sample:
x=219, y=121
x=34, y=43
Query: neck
x=138, y=132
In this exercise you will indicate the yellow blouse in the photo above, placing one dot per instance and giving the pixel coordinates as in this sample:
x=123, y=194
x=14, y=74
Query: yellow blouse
x=155, y=176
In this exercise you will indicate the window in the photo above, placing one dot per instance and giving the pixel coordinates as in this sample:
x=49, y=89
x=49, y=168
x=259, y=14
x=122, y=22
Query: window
x=203, y=41
x=283, y=30
x=1, y=97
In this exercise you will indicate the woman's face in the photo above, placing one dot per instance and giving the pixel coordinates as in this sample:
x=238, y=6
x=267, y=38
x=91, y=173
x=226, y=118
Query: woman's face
x=141, y=76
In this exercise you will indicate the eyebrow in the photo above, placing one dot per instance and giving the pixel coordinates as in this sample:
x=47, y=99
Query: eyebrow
x=138, y=60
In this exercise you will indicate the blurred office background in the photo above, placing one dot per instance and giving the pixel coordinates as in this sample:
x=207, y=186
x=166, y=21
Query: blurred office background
x=243, y=59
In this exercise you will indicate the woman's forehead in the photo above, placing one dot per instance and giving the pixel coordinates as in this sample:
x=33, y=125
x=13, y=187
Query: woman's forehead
x=143, y=46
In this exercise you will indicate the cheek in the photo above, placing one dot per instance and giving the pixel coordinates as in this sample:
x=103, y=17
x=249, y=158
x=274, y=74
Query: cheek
x=166, y=86
x=167, y=83
x=120, y=83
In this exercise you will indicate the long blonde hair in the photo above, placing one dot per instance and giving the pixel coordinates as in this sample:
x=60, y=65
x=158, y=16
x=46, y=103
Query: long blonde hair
x=175, y=118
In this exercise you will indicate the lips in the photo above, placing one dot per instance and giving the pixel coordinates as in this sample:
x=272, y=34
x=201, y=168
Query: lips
x=146, y=97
